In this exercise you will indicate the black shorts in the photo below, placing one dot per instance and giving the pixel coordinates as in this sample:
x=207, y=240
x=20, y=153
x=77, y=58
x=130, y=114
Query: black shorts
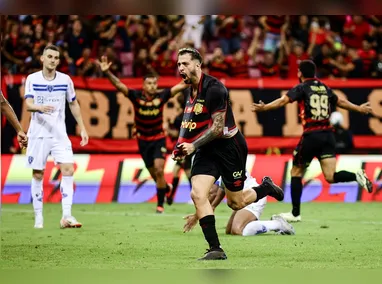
x=151, y=150
x=321, y=145
x=186, y=163
x=223, y=157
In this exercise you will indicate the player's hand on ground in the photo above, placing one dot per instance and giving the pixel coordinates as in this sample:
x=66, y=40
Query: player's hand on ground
x=366, y=108
x=258, y=107
x=187, y=148
x=191, y=221
x=22, y=139
x=85, y=138
x=46, y=109
x=104, y=64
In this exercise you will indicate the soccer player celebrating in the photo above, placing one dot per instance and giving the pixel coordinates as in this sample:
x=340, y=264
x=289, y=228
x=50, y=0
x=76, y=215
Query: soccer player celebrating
x=148, y=107
x=45, y=94
x=9, y=113
x=316, y=101
x=208, y=129
x=246, y=221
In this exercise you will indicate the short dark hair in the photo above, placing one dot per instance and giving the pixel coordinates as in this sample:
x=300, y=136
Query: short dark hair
x=307, y=68
x=51, y=47
x=149, y=75
x=192, y=51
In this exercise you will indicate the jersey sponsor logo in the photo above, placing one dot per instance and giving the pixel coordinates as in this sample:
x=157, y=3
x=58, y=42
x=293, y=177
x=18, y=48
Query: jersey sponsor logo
x=149, y=112
x=190, y=125
x=238, y=174
x=198, y=108
x=156, y=102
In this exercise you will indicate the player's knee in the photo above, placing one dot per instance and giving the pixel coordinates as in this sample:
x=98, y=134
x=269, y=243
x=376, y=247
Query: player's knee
x=38, y=175
x=159, y=171
x=235, y=204
x=198, y=197
x=67, y=170
x=236, y=230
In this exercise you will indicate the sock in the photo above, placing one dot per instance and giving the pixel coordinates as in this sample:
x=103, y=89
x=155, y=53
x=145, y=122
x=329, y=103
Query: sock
x=296, y=193
x=261, y=191
x=260, y=227
x=209, y=230
x=37, y=196
x=67, y=195
x=175, y=183
x=344, y=176
x=161, y=192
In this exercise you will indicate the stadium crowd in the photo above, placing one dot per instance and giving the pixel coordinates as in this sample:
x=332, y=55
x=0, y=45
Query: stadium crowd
x=232, y=46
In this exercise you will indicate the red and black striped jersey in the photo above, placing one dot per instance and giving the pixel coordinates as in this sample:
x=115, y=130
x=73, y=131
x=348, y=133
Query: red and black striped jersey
x=149, y=113
x=212, y=97
x=316, y=102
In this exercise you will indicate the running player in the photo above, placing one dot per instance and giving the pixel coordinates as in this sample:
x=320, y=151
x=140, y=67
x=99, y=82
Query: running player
x=316, y=102
x=9, y=113
x=148, y=108
x=45, y=94
x=208, y=129
x=246, y=221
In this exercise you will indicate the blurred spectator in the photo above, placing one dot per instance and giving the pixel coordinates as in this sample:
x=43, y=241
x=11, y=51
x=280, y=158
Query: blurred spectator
x=229, y=29
x=273, y=28
x=342, y=46
x=367, y=55
x=344, y=138
x=217, y=65
x=193, y=29
x=376, y=68
x=356, y=29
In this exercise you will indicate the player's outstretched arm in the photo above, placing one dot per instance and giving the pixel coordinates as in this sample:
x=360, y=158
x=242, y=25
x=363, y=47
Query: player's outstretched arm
x=9, y=113
x=345, y=104
x=280, y=102
x=178, y=88
x=105, y=68
x=76, y=111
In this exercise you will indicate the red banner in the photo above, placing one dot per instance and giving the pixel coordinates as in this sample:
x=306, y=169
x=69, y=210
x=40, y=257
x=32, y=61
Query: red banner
x=108, y=178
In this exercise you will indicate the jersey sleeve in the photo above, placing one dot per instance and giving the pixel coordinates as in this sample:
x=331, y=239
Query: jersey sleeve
x=29, y=91
x=132, y=95
x=70, y=92
x=217, y=99
x=332, y=96
x=295, y=94
x=165, y=95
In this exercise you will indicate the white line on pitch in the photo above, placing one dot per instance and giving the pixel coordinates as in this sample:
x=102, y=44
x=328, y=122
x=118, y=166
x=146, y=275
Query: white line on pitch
x=132, y=214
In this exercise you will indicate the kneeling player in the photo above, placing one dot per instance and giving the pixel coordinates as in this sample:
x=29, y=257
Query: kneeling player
x=244, y=222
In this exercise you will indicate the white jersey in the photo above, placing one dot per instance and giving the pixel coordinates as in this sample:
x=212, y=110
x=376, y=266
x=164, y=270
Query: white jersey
x=52, y=93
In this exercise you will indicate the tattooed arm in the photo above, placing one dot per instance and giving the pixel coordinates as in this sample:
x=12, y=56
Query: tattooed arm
x=215, y=131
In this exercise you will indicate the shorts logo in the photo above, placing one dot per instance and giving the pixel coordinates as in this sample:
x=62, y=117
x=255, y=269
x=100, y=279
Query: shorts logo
x=50, y=88
x=237, y=183
x=198, y=108
x=237, y=175
x=30, y=159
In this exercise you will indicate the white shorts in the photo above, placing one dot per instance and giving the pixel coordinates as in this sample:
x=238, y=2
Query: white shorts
x=39, y=149
x=255, y=208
